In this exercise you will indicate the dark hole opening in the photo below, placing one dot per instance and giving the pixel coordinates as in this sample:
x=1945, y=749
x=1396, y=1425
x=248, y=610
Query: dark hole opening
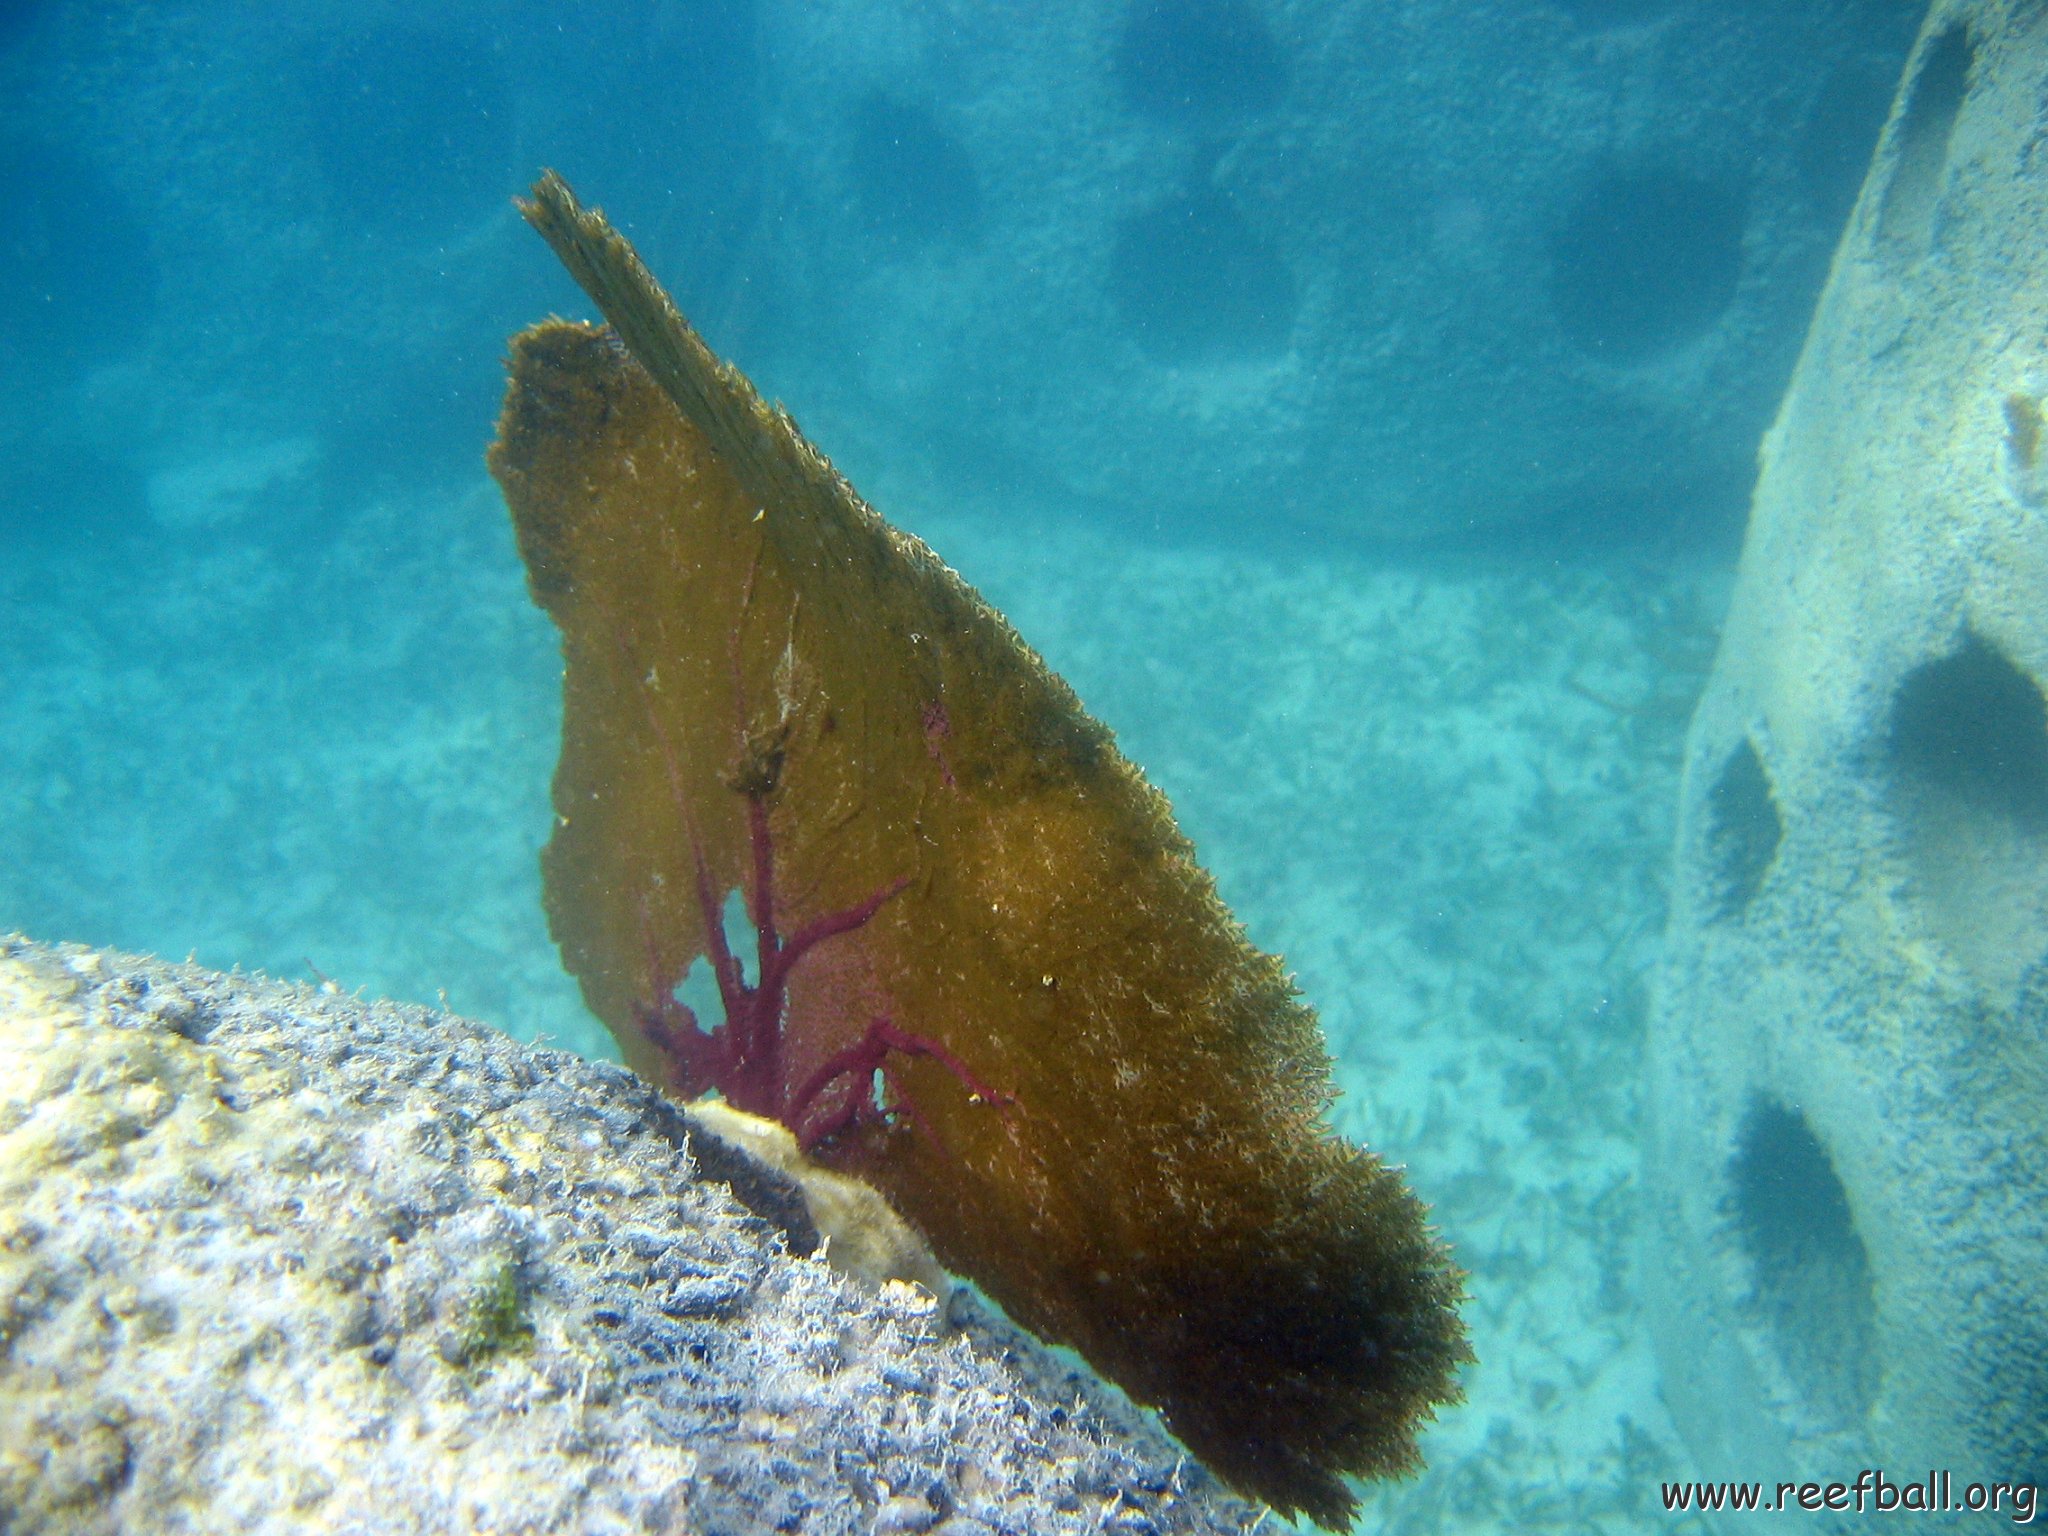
x=412, y=128
x=1834, y=150
x=1196, y=284
x=17, y=18
x=1933, y=102
x=1613, y=13
x=1743, y=830
x=1646, y=260
x=913, y=178
x=1811, y=1271
x=1198, y=62
x=71, y=494
x=78, y=280
x=1975, y=727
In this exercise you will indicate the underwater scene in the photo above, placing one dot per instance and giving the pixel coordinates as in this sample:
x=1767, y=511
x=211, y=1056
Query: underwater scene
x=1351, y=690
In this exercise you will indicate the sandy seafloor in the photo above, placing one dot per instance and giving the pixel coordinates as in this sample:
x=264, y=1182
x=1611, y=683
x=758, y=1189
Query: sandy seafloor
x=1442, y=788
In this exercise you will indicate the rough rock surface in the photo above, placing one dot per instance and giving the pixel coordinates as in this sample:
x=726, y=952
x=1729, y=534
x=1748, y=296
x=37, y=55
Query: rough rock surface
x=273, y=1258
x=1849, y=1056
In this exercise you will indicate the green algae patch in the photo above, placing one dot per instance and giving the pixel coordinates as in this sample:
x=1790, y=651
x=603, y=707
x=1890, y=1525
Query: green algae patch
x=496, y=1315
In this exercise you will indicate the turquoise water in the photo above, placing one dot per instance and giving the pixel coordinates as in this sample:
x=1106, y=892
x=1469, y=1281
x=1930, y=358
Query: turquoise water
x=1356, y=404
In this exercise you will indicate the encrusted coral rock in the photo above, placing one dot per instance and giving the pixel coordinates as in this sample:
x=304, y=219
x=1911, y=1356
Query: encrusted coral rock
x=273, y=1258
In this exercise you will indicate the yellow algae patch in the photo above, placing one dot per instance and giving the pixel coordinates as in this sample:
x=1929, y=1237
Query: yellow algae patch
x=864, y=1236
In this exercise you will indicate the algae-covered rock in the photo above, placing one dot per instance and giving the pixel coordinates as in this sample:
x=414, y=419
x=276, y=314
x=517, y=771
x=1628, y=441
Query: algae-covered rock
x=274, y=1258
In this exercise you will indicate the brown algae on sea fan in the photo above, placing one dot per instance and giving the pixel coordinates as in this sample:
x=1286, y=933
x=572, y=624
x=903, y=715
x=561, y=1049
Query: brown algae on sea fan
x=980, y=965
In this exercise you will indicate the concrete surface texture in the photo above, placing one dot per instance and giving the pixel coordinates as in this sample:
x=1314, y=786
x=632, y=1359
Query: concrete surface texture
x=275, y=1259
x=1849, y=1055
x=1422, y=269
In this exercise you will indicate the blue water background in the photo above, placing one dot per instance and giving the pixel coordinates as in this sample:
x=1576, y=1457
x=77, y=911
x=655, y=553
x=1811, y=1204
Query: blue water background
x=274, y=695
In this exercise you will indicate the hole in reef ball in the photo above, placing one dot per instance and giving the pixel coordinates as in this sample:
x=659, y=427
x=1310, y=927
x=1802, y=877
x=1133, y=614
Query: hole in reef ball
x=1612, y=13
x=77, y=278
x=69, y=494
x=1198, y=62
x=1933, y=103
x=1811, y=1269
x=912, y=178
x=1967, y=745
x=1973, y=728
x=1743, y=829
x=18, y=19
x=1833, y=151
x=410, y=127
x=1645, y=261
x=1195, y=283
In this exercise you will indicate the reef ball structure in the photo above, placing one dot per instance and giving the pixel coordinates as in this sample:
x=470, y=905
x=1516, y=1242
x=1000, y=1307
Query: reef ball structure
x=1387, y=270
x=1850, y=1054
x=275, y=1259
